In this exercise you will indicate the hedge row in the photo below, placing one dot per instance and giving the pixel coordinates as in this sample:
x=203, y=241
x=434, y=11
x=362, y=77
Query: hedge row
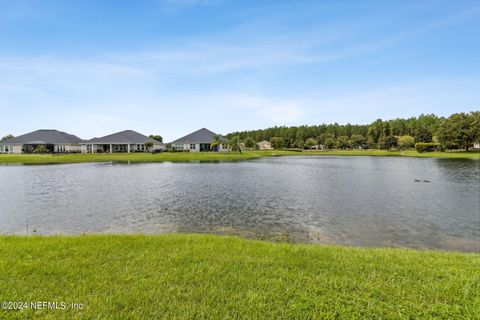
x=426, y=146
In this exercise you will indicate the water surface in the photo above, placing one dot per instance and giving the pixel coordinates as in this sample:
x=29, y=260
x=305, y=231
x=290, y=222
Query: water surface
x=365, y=201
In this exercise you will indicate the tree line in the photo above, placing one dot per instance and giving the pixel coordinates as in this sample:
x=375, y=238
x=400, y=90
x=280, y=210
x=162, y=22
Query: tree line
x=458, y=131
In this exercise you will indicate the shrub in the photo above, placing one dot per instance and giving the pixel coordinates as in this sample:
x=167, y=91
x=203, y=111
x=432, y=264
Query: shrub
x=40, y=149
x=426, y=146
x=405, y=142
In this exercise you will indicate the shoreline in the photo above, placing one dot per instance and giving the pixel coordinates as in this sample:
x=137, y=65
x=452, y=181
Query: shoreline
x=212, y=157
x=280, y=238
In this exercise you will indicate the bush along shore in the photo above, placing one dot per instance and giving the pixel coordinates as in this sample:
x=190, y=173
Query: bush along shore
x=220, y=277
x=212, y=156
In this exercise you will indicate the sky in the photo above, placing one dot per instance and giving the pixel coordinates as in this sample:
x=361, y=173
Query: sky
x=170, y=67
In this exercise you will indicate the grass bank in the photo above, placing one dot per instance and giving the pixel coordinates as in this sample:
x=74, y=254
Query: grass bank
x=205, y=276
x=125, y=157
x=212, y=156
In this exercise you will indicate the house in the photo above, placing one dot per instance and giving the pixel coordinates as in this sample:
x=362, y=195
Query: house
x=264, y=145
x=54, y=141
x=476, y=146
x=200, y=140
x=124, y=141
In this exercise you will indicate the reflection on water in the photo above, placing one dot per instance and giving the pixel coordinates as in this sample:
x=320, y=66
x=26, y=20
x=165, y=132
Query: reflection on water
x=367, y=201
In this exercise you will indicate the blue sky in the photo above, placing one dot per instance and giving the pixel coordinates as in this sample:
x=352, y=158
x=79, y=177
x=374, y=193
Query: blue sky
x=172, y=66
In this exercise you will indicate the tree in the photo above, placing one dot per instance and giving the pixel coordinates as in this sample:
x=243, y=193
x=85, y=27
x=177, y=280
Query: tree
x=378, y=134
x=234, y=143
x=156, y=137
x=277, y=142
x=376, y=130
x=405, y=142
x=371, y=144
x=300, y=134
x=40, y=149
x=358, y=141
x=387, y=142
x=8, y=136
x=299, y=143
x=323, y=137
x=342, y=142
x=148, y=145
x=329, y=143
x=215, y=142
x=289, y=143
x=250, y=143
x=426, y=126
x=399, y=127
x=423, y=134
x=310, y=143
x=475, y=124
x=460, y=130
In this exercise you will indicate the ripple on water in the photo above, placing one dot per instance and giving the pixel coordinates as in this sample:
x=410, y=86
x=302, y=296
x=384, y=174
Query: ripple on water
x=367, y=201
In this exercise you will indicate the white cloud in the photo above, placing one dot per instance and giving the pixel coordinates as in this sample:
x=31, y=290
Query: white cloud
x=270, y=110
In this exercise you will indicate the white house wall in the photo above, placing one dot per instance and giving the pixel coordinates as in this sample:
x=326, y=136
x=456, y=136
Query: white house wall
x=16, y=149
x=73, y=148
x=119, y=148
x=66, y=148
x=196, y=149
x=186, y=146
x=5, y=149
x=158, y=146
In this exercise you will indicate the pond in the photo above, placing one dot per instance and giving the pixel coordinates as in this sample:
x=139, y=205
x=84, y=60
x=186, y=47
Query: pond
x=361, y=201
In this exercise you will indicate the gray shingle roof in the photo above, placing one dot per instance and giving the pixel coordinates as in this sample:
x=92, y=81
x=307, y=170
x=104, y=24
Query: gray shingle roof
x=200, y=136
x=44, y=136
x=123, y=137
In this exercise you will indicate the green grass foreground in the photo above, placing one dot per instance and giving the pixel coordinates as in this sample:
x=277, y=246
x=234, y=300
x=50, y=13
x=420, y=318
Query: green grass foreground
x=212, y=156
x=218, y=277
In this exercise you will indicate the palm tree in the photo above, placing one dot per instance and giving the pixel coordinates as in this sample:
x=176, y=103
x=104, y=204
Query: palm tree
x=216, y=142
x=234, y=144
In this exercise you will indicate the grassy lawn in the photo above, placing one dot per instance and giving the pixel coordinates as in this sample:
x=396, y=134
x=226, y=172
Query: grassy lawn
x=124, y=157
x=213, y=156
x=205, y=276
